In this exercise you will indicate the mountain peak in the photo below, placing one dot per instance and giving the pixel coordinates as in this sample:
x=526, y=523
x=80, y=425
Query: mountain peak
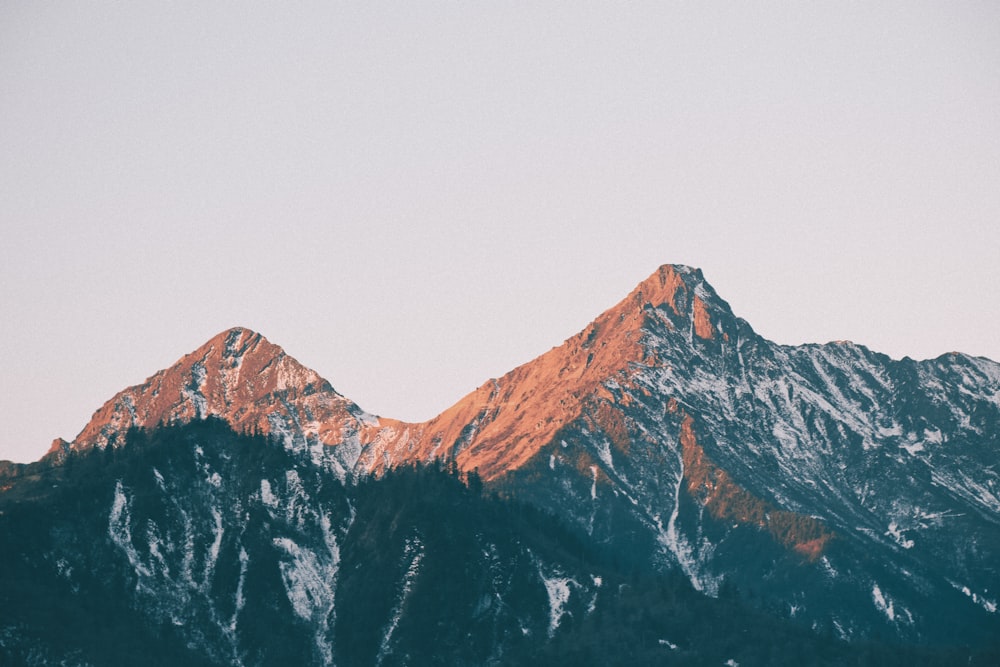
x=234, y=342
x=502, y=424
x=661, y=287
x=239, y=376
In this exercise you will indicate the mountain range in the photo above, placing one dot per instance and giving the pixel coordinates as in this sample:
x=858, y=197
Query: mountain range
x=666, y=465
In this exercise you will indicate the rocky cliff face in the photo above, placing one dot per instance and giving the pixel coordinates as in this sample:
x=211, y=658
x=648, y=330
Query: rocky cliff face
x=854, y=494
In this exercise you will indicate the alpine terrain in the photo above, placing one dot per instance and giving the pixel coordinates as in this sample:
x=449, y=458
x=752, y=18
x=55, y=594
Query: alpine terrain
x=665, y=487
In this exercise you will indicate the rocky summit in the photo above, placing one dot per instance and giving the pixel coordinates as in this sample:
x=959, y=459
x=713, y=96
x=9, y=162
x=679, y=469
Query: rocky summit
x=666, y=486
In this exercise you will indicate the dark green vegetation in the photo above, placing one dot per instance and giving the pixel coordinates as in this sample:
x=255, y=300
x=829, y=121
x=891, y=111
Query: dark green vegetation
x=192, y=545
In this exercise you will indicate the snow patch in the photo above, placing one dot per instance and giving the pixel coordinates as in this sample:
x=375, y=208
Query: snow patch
x=266, y=495
x=348, y=452
x=296, y=499
x=895, y=430
x=414, y=552
x=64, y=568
x=159, y=480
x=154, y=541
x=213, y=550
x=678, y=545
x=882, y=604
x=193, y=392
x=303, y=576
x=934, y=437
x=310, y=585
x=240, y=599
x=129, y=403
x=897, y=534
x=120, y=530
x=604, y=453
x=558, y=591
x=987, y=604
x=187, y=562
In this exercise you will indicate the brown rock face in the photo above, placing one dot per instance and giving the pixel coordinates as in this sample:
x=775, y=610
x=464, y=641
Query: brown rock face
x=702, y=322
x=724, y=499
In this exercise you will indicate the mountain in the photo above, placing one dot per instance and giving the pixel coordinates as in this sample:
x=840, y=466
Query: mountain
x=836, y=491
x=250, y=383
x=856, y=493
x=669, y=419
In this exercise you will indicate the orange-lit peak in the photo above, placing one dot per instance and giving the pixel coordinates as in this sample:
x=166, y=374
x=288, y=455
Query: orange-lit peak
x=501, y=425
x=235, y=341
x=661, y=287
x=237, y=375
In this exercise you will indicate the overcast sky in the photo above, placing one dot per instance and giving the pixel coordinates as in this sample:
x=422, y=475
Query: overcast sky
x=412, y=198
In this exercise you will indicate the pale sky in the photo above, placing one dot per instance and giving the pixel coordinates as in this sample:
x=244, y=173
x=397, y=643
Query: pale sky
x=414, y=197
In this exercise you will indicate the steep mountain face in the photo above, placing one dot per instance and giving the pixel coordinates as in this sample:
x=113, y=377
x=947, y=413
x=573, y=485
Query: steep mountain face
x=853, y=495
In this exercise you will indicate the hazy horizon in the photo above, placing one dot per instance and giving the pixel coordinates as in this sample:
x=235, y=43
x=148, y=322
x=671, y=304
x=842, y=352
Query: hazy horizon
x=413, y=199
